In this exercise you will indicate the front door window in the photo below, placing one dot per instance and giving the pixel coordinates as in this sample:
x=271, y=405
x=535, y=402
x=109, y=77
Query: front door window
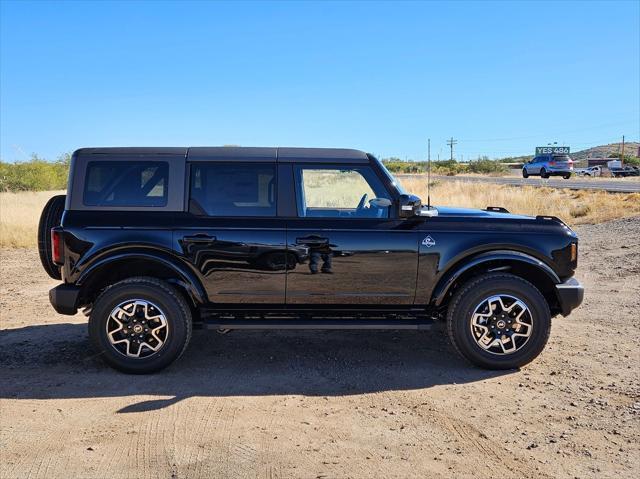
x=356, y=192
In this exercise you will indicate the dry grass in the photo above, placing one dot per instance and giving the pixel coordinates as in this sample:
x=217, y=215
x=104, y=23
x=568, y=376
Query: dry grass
x=19, y=216
x=19, y=212
x=573, y=207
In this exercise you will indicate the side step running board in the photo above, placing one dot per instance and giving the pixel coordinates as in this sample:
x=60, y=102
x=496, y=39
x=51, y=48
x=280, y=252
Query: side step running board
x=320, y=323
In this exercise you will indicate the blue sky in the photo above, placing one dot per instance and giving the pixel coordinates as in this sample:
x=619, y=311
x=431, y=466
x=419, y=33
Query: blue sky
x=500, y=77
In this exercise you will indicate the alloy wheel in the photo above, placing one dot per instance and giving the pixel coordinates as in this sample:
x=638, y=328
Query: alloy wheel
x=501, y=324
x=137, y=328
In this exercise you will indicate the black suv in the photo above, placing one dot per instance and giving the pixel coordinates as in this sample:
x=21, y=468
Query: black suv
x=152, y=242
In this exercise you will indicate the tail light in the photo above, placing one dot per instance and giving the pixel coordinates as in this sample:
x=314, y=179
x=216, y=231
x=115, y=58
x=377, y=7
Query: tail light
x=56, y=246
x=552, y=163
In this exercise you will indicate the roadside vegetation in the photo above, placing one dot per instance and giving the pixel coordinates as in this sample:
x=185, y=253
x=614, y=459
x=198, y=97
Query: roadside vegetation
x=482, y=165
x=37, y=174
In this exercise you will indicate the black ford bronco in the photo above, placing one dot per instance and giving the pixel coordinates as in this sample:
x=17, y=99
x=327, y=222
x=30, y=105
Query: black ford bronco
x=153, y=242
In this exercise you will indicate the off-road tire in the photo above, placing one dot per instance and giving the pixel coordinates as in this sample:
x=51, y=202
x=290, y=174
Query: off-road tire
x=160, y=293
x=49, y=218
x=463, y=305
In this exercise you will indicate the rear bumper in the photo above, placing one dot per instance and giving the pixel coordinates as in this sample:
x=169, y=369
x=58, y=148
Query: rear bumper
x=570, y=295
x=64, y=299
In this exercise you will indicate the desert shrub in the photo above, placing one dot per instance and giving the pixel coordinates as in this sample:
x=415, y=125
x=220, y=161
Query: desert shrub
x=485, y=165
x=396, y=165
x=579, y=210
x=36, y=174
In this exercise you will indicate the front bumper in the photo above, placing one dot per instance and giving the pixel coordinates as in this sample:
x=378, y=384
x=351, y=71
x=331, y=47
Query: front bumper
x=64, y=299
x=570, y=295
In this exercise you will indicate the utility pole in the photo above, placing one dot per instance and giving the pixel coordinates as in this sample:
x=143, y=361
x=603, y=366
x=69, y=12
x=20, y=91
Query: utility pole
x=622, y=153
x=451, y=142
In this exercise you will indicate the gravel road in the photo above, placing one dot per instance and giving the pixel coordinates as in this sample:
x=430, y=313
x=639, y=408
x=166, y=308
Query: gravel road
x=327, y=404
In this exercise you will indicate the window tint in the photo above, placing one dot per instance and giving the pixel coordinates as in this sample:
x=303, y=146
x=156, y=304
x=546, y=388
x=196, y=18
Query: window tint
x=341, y=192
x=126, y=183
x=239, y=189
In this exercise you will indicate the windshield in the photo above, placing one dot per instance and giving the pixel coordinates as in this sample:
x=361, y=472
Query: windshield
x=561, y=158
x=393, y=179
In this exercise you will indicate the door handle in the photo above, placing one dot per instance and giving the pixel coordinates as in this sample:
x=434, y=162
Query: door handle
x=199, y=238
x=312, y=241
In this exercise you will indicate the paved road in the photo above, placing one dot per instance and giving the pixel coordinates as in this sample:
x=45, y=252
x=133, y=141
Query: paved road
x=614, y=186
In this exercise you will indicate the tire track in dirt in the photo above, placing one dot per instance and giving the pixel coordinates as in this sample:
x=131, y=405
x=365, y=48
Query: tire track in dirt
x=501, y=460
x=271, y=427
x=196, y=438
x=211, y=424
x=45, y=452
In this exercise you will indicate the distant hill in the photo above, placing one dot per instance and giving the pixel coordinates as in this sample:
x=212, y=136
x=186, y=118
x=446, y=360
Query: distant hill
x=601, y=151
x=607, y=151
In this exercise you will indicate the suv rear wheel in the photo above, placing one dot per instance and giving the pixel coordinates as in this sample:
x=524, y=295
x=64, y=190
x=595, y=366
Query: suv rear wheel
x=499, y=321
x=543, y=173
x=140, y=325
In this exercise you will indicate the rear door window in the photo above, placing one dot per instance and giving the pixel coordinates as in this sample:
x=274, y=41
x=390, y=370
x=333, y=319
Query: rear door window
x=233, y=189
x=126, y=183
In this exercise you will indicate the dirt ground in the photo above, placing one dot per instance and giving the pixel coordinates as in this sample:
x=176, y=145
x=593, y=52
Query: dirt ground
x=327, y=404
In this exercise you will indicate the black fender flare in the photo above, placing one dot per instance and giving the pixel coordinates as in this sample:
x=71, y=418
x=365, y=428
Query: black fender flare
x=187, y=278
x=449, y=278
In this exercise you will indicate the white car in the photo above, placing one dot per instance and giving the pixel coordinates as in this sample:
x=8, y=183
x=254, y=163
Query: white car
x=591, y=171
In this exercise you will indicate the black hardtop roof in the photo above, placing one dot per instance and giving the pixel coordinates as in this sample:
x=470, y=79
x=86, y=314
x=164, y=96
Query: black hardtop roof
x=231, y=153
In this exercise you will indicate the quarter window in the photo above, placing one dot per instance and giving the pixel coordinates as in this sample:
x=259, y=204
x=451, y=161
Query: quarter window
x=126, y=183
x=238, y=189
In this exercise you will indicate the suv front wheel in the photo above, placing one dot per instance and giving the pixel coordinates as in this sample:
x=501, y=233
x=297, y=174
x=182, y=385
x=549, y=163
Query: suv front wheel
x=140, y=325
x=499, y=321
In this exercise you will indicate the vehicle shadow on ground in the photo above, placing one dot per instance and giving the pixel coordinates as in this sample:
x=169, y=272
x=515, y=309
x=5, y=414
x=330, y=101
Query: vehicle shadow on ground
x=58, y=361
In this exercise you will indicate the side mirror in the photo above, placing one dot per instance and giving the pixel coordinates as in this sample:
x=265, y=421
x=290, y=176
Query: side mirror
x=409, y=206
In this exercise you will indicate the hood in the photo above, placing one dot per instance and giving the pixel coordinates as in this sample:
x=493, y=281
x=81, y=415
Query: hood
x=456, y=212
